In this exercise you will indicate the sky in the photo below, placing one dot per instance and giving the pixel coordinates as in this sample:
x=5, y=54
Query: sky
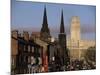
x=28, y=16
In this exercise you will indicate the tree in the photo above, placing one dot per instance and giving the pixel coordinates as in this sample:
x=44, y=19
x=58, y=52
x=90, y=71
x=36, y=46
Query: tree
x=91, y=54
x=67, y=57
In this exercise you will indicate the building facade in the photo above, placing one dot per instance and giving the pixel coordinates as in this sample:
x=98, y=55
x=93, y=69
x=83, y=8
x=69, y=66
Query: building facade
x=75, y=44
x=24, y=52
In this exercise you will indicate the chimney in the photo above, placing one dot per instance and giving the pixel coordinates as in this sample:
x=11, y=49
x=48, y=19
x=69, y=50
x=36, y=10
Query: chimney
x=26, y=35
x=14, y=34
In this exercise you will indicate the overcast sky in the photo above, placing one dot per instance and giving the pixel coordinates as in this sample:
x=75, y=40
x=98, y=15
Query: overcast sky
x=29, y=16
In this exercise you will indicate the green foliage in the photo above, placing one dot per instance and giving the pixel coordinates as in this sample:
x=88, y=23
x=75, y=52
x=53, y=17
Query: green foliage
x=67, y=58
x=37, y=61
x=91, y=54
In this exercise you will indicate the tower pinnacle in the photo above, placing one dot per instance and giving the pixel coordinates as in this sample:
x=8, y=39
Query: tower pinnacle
x=62, y=30
x=75, y=28
x=45, y=32
x=45, y=23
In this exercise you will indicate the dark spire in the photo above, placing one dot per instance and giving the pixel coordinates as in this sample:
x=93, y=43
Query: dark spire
x=62, y=23
x=45, y=23
x=45, y=32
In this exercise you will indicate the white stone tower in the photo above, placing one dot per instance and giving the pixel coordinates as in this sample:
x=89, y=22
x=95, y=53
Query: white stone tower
x=75, y=44
x=75, y=38
x=75, y=28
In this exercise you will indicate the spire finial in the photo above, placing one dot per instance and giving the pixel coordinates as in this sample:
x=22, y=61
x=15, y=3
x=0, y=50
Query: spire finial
x=62, y=23
x=45, y=17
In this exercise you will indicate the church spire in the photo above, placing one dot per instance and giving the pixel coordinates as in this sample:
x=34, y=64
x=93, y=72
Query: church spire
x=45, y=23
x=62, y=43
x=62, y=30
x=45, y=32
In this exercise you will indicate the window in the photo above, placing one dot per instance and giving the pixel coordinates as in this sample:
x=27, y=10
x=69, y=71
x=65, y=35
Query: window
x=24, y=58
x=28, y=48
x=32, y=49
x=32, y=60
x=29, y=59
